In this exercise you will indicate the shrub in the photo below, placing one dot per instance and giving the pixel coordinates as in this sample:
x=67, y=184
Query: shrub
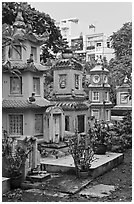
x=15, y=155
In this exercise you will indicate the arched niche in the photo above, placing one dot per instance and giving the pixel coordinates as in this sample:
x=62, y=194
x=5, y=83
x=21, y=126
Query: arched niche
x=54, y=125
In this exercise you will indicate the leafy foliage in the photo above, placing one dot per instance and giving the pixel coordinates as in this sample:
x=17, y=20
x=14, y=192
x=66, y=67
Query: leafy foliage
x=122, y=134
x=14, y=155
x=122, y=41
x=121, y=66
x=81, y=150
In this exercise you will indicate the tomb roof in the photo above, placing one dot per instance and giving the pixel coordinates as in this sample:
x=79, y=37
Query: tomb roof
x=68, y=63
x=24, y=103
x=21, y=66
x=72, y=105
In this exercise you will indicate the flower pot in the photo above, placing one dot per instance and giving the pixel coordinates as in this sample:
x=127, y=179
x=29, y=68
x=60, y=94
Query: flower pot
x=15, y=182
x=100, y=149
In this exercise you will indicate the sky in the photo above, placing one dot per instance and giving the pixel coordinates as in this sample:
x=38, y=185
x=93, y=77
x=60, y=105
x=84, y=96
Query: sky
x=108, y=17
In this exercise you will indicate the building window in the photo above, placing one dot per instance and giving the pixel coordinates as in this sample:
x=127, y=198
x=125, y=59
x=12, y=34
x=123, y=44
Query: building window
x=15, y=85
x=98, y=44
x=36, y=85
x=105, y=79
x=3, y=53
x=81, y=123
x=16, y=124
x=16, y=52
x=38, y=123
x=95, y=113
x=67, y=128
x=34, y=52
x=108, y=44
x=106, y=96
x=124, y=98
x=107, y=115
x=62, y=81
x=77, y=81
x=95, y=96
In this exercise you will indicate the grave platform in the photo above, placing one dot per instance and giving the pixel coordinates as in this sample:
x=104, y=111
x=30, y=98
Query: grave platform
x=54, y=145
x=100, y=165
x=5, y=184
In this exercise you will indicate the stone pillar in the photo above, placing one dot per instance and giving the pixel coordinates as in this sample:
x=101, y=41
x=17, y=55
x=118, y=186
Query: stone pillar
x=33, y=160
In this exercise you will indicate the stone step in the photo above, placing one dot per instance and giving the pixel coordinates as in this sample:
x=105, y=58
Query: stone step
x=5, y=185
x=38, y=177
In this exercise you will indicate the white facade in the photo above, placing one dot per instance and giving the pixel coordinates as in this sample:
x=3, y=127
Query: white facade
x=98, y=46
x=69, y=28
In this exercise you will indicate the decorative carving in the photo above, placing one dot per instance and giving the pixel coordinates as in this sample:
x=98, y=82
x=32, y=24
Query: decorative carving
x=62, y=81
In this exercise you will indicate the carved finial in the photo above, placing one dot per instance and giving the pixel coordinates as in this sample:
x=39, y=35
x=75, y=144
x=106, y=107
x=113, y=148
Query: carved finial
x=19, y=21
x=99, y=62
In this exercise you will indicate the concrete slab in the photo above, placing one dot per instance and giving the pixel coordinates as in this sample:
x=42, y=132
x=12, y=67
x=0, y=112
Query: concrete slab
x=100, y=165
x=99, y=190
x=65, y=183
x=46, y=192
x=5, y=184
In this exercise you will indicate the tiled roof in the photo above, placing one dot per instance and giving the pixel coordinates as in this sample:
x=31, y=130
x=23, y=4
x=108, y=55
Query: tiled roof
x=125, y=85
x=98, y=85
x=33, y=67
x=98, y=68
x=72, y=63
x=72, y=105
x=122, y=108
x=24, y=103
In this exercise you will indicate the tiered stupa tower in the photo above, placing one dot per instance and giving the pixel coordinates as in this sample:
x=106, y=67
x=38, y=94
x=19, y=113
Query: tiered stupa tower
x=100, y=104
x=68, y=92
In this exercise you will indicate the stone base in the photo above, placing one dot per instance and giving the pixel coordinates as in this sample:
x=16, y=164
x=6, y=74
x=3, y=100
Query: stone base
x=5, y=184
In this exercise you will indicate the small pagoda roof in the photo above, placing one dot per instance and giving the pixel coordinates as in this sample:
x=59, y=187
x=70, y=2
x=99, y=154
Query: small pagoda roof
x=124, y=85
x=32, y=37
x=72, y=105
x=98, y=68
x=24, y=103
x=21, y=66
x=69, y=63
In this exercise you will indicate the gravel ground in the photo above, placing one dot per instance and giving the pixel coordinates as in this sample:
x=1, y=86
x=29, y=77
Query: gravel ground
x=120, y=177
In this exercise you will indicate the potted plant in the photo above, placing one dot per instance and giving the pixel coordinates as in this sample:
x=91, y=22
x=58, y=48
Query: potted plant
x=102, y=138
x=14, y=157
x=82, y=153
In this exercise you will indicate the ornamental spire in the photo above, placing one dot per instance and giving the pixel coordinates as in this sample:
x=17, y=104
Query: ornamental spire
x=19, y=21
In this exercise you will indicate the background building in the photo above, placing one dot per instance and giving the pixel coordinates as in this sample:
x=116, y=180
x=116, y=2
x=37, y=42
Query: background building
x=89, y=45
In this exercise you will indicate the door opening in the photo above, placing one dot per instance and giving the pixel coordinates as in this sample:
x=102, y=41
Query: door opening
x=81, y=123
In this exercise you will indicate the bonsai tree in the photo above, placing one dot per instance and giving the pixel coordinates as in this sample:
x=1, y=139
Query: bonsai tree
x=81, y=151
